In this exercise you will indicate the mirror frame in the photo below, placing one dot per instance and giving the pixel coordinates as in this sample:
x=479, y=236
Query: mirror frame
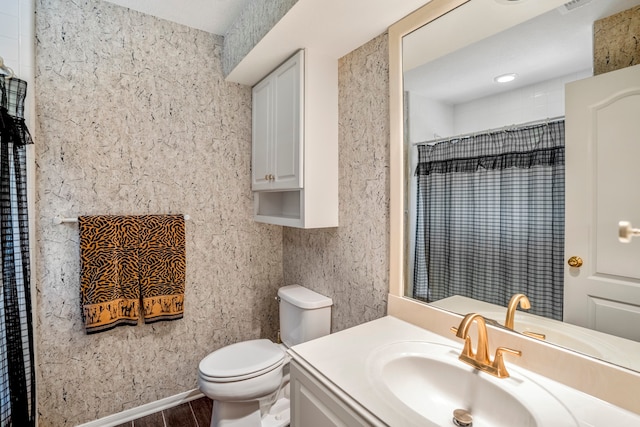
x=421, y=17
x=400, y=303
x=503, y=17
x=569, y=366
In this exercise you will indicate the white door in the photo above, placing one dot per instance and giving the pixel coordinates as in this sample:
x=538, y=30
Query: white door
x=603, y=188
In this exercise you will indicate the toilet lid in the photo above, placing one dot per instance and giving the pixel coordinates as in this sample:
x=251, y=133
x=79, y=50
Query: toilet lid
x=242, y=360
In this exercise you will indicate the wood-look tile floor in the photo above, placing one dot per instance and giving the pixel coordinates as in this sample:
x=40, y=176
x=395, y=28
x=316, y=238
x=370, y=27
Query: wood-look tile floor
x=196, y=413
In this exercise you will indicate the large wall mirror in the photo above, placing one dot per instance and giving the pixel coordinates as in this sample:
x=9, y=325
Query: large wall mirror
x=478, y=95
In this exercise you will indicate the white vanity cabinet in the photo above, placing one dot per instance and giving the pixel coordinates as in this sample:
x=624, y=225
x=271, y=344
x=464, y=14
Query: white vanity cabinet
x=388, y=372
x=294, y=173
x=314, y=405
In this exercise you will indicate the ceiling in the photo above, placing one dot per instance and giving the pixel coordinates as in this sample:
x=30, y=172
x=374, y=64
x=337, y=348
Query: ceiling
x=330, y=27
x=556, y=43
x=213, y=16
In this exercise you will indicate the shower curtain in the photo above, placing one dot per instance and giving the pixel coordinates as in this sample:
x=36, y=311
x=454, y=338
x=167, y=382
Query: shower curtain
x=17, y=376
x=490, y=218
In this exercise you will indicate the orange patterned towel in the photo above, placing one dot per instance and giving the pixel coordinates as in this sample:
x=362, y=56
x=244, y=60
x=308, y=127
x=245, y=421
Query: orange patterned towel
x=162, y=266
x=129, y=264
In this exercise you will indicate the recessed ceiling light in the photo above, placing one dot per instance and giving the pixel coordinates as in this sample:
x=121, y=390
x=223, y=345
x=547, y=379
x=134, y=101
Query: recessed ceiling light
x=505, y=78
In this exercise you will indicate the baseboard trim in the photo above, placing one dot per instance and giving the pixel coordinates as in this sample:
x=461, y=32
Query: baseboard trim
x=143, y=410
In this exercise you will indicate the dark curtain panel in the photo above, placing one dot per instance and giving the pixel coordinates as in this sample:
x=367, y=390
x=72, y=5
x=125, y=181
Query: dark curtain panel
x=490, y=218
x=17, y=383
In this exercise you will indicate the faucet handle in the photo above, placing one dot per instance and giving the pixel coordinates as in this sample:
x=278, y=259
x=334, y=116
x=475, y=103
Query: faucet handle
x=498, y=361
x=536, y=335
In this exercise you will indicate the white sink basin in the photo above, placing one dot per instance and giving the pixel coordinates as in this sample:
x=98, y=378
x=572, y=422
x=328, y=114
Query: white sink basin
x=428, y=380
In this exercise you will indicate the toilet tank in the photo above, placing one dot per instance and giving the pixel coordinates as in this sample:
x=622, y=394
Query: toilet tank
x=304, y=314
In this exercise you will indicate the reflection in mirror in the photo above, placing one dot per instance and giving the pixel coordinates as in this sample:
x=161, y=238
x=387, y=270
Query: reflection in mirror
x=485, y=162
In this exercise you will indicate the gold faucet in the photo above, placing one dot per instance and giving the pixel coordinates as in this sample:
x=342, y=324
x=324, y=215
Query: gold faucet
x=480, y=359
x=511, y=314
x=513, y=305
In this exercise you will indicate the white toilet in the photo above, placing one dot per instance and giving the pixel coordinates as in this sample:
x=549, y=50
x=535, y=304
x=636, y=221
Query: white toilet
x=249, y=381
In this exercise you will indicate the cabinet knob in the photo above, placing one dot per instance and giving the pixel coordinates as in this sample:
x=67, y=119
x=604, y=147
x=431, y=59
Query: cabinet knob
x=266, y=177
x=272, y=178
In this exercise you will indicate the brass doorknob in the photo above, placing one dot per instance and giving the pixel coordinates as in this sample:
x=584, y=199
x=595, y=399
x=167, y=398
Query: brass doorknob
x=575, y=261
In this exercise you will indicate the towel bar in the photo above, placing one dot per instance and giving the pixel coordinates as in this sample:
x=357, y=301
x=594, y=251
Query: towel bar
x=60, y=219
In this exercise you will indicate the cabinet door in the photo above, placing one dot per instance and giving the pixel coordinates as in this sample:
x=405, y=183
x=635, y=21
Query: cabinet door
x=313, y=405
x=262, y=135
x=288, y=119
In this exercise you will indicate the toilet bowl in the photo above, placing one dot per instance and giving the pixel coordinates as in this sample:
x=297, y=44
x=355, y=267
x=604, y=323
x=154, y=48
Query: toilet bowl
x=242, y=379
x=249, y=381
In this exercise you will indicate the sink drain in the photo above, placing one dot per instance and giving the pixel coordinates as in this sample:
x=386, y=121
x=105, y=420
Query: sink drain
x=462, y=418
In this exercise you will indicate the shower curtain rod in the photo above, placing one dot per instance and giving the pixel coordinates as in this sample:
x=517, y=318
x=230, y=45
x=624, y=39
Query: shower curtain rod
x=484, y=132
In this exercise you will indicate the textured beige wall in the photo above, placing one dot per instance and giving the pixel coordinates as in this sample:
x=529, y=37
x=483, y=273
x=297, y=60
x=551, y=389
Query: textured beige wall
x=255, y=21
x=134, y=117
x=616, y=41
x=351, y=263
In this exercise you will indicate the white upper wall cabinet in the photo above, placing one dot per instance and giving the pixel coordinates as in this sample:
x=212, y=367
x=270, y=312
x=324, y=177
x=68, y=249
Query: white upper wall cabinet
x=295, y=143
x=278, y=129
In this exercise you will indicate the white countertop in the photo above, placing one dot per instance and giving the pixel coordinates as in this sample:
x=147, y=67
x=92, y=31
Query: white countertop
x=341, y=358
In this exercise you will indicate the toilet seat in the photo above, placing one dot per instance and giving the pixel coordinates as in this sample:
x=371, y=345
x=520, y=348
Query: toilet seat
x=241, y=361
